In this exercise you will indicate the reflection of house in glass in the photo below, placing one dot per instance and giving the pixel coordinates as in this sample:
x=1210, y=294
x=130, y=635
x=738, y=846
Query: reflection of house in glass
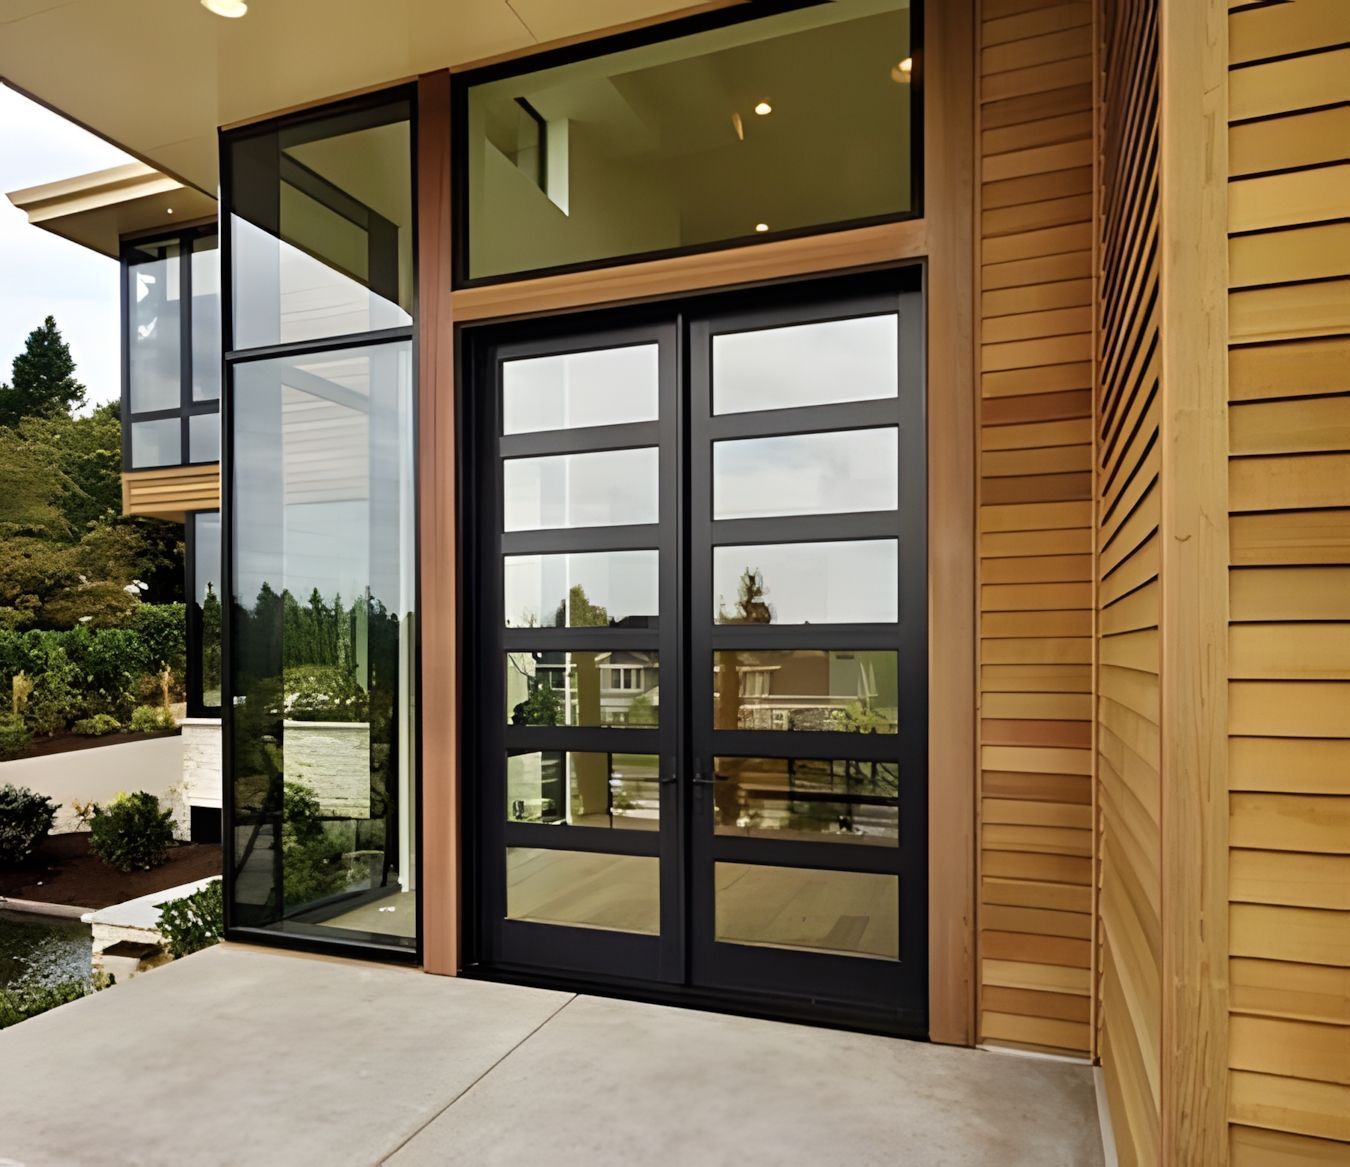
x=620, y=687
x=808, y=689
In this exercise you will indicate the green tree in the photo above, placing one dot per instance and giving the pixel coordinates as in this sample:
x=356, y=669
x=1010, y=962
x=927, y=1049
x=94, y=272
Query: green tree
x=43, y=378
x=584, y=613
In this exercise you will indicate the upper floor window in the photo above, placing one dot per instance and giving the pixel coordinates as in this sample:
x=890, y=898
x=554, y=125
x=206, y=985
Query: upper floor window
x=751, y=130
x=171, y=386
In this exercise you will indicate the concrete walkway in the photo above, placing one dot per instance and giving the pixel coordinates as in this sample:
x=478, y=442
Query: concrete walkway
x=242, y=1056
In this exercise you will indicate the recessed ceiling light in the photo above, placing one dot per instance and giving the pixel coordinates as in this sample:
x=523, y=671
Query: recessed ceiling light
x=763, y=108
x=168, y=210
x=900, y=72
x=761, y=227
x=230, y=8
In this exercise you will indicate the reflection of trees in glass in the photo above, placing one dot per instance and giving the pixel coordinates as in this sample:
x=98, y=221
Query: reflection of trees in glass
x=641, y=710
x=320, y=660
x=210, y=645
x=751, y=606
x=583, y=614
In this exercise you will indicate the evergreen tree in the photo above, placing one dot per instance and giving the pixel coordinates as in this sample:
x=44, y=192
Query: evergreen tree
x=43, y=379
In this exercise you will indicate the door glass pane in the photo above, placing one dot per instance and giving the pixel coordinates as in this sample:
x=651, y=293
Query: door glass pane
x=584, y=789
x=598, y=589
x=789, y=122
x=806, y=364
x=156, y=443
x=206, y=601
x=853, y=582
x=620, y=688
x=851, y=913
x=586, y=889
x=154, y=339
x=601, y=489
x=807, y=798
x=806, y=474
x=806, y=689
x=571, y=390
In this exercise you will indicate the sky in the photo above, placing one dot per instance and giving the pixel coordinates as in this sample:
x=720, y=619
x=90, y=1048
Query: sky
x=42, y=274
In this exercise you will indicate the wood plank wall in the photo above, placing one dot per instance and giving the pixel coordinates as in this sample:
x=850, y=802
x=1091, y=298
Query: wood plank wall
x=1289, y=582
x=1035, y=266
x=1128, y=506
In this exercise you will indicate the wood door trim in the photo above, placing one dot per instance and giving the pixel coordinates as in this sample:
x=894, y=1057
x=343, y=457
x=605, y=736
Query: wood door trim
x=949, y=140
x=438, y=705
x=854, y=248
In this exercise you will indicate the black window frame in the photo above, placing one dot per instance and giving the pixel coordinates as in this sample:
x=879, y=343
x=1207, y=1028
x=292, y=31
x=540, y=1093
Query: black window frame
x=374, y=950
x=461, y=83
x=188, y=407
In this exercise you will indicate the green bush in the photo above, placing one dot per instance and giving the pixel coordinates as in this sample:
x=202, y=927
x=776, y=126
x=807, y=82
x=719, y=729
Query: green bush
x=162, y=629
x=14, y=735
x=26, y=817
x=193, y=922
x=151, y=719
x=20, y=1002
x=131, y=833
x=311, y=859
x=97, y=726
x=54, y=701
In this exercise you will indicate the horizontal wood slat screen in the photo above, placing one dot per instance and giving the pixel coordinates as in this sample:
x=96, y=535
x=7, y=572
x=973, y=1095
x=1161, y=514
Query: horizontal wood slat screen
x=1128, y=509
x=1289, y=583
x=1035, y=132
x=171, y=493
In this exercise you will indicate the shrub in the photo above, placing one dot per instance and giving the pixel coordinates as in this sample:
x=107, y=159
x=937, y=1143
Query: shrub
x=25, y=819
x=162, y=628
x=131, y=833
x=193, y=922
x=151, y=719
x=97, y=726
x=14, y=735
x=54, y=701
x=20, y=1002
x=311, y=859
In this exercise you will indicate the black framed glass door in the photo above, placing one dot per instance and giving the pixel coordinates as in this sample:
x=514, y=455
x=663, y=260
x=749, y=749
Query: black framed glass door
x=698, y=649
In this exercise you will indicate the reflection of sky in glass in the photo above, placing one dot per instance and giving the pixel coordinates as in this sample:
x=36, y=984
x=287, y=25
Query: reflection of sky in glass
x=570, y=390
x=154, y=367
x=805, y=364
x=853, y=582
x=600, y=489
x=806, y=474
x=623, y=583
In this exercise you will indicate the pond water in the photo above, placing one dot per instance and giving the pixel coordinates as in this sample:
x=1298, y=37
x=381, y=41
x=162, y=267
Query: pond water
x=42, y=949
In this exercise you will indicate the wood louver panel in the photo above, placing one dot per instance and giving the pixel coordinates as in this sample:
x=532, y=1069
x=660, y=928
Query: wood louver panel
x=1128, y=510
x=1289, y=583
x=1035, y=568
x=171, y=493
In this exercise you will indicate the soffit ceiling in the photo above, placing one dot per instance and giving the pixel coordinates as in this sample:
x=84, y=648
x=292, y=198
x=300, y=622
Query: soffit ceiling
x=157, y=77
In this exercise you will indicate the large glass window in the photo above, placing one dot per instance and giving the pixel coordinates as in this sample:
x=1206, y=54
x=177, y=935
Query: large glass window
x=323, y=649
x=321, y=226
x=171, y=390
x=751, y=130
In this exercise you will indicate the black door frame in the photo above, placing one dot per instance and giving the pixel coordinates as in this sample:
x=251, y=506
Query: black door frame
x=631, y=965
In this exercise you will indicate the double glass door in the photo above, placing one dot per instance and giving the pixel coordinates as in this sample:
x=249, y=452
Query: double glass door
x=699, y=645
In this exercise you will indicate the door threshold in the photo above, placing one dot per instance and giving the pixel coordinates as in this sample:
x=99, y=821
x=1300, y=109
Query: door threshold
x=761, y=1006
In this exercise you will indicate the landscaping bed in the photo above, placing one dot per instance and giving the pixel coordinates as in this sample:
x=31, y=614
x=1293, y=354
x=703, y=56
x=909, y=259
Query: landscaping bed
x=64, y=871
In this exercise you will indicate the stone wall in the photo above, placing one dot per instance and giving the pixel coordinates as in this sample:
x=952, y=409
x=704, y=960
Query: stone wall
x=332, y=758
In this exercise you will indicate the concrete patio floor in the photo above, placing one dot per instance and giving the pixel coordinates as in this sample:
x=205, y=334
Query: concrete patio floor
x=238, y=1056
